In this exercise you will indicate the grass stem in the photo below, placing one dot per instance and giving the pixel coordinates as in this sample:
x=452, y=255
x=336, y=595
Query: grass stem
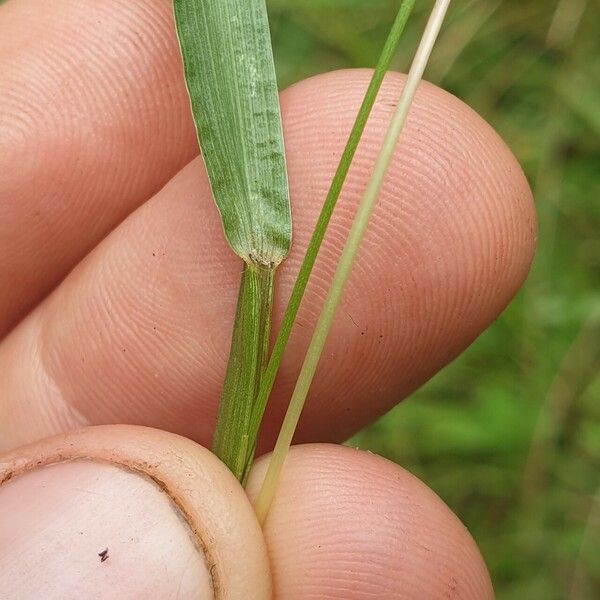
x=232, y=441
x=265, y=497
x=268, y=377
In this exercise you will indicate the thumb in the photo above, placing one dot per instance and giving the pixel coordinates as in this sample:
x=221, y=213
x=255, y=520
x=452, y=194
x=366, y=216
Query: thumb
x=126, y=512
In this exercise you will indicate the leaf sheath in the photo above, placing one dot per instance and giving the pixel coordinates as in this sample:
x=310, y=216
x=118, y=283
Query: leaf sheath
x=247, y=358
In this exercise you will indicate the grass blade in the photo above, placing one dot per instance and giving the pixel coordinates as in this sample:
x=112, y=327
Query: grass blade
x=264, y=499
x=230, y=76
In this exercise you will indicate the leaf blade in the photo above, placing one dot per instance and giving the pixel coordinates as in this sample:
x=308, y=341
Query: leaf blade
x=230, y=76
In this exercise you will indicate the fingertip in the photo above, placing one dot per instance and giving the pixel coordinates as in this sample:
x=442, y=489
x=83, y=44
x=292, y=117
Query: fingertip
x=449, y=244
x=349, y=524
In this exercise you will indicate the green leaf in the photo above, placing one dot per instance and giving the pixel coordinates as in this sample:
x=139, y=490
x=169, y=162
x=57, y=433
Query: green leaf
x=230, y=76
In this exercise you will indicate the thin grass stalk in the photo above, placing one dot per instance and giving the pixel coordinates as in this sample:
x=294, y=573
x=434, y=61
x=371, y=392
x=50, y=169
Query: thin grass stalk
x=267, y=491
x=289, y=316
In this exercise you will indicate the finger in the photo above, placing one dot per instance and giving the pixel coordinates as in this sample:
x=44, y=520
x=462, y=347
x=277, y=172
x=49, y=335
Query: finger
x=348, y=524
x=344, y=524
x=126, y=512
x=140, y=331
x=93, y=121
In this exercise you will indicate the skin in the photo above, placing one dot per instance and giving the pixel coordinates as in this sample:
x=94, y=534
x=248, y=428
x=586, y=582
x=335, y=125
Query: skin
x=181, y=542
x=122, y=288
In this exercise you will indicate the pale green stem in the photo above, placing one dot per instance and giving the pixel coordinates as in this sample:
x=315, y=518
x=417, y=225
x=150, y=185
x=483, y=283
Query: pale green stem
x=313, y=354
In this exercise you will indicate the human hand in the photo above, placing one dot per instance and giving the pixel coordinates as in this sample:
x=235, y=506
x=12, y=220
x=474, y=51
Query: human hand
x=98, y=203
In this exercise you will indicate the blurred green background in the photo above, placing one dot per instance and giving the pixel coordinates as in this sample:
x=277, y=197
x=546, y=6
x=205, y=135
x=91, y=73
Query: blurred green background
x=508, y=434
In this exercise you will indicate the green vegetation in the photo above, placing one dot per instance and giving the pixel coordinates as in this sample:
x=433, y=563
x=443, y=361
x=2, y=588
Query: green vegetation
x=509, y=434
x=296, y=404
x=235, y=106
